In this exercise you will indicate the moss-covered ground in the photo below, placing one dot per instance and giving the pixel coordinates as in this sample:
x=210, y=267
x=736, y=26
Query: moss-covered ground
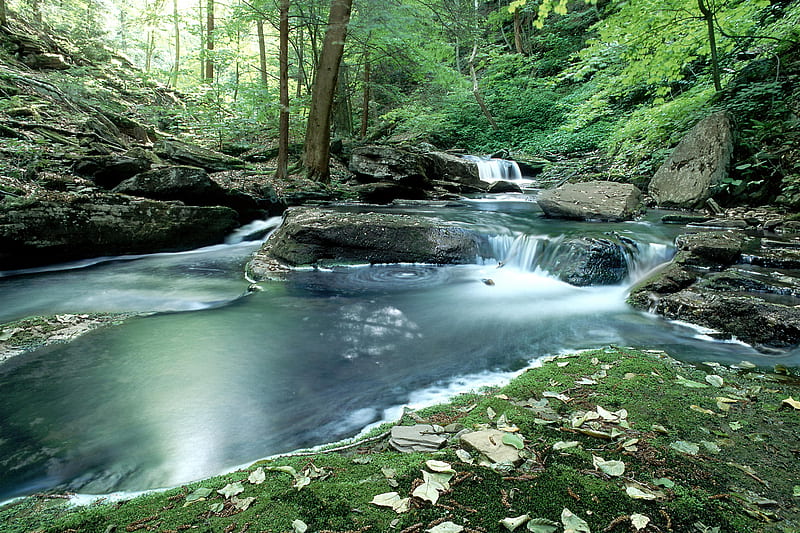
x=704, y=449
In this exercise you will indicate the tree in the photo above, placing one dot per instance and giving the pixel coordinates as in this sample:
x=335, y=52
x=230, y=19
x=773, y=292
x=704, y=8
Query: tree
x=283, y=127
x=176, y=21
x=262, y=52
x=316, y=154
x=3, y=19
x=208, y=75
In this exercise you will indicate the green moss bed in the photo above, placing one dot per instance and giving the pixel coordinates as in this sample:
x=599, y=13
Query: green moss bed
x=624, y=440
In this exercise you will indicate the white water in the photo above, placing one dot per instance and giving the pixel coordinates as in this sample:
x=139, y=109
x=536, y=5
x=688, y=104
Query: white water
x=491, y=170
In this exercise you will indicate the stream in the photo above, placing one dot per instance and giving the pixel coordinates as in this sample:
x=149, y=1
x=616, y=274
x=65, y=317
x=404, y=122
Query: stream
x=218, y=377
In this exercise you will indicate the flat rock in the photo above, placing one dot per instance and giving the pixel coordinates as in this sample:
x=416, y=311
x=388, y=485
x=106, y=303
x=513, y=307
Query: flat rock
x=490, y=443
x=317, y=236
x=190, y=185
x=699, y=162
x=594, y=200
x=418, y=438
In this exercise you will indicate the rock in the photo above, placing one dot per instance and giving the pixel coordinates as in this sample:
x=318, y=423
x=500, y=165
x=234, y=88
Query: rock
x=723, y=223
x=463, y=173
x=384, y=163
x=110, y=170
x=385, y=193
x=594, y=200
x=76, y=226
x=712, y=247
x=504, y=187
x=587, y=261
x=668, y=280
x=195, y=156
x=699, y=162
x=46, y=61
x=490, y=443
x=417, y=438
x=684, y=218
x=190, y=185
x=316, y=236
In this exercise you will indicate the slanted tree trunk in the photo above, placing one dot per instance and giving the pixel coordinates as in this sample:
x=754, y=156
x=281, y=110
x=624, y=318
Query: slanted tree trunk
x=476, y=88
x=708, y=16
x=176, y=67
x=316, y=155
x=282, y=171
x=262, y=53
x=209, y=71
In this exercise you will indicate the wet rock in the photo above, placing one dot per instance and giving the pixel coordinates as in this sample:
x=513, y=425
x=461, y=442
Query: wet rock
x=684, y=218
x=595, y=200
x=587, y=261
x=418, y=438
x=504, y=187
x=385, y=163
x=490, y=443
x=317, y=236
x=386, y=193
x=724, y=223
x=698, y=163
x=451, y=168
x=76, y=226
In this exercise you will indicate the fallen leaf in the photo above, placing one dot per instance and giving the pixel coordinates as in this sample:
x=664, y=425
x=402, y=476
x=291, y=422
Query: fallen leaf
x=231, y=489
x=573, y=523
x=301, y=481
x=257, y=477
x=796, y=491
x=439, y=466
x=639, y=494
x=701, y=410
x=562, y=364
x=714, y=380
x=735, y=426
x=542, y=525
x=490, y=413
x=199, y=494
x=629, y=375
x=712, y=447
x=513, y=523
x=557, y=395
x=639, y=521
x=561, y=445
x=392, y=500
x=502, y=396
x=286, y=469
x=664, y=482
x=514, y=439
x=612, y=468
x=427, y=492
x=244, y=503
x=689, y=448
x=586, y=381
x=791, y=402
x=659, y=428
x=299, y=526
x=446, y=527
x=388, y=473
x=216, y=507
x=680, y=380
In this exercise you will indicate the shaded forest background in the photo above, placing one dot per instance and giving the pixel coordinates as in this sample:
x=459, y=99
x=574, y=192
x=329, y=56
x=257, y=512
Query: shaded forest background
x=603, y=89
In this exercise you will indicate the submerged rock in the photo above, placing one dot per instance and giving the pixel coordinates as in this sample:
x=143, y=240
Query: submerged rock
x=698, y=163
x=317, y=236
x=74, y=226
x=588, y=261
x=594, y=200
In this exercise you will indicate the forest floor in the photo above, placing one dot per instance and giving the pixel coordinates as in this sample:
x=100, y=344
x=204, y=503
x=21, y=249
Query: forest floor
x=608, y=440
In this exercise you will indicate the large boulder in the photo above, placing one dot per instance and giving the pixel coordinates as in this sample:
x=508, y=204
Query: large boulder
x=388, y=164
x=698, y=163
x=587, y=261
x=110, y=170
x=594, y=200
x=71, y=227
x=190, y=185
x=450, y=168
x=316, y=236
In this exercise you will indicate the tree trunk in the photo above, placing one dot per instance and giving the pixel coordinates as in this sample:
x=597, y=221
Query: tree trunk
x=282, y=171
x=150, y=46
x=176, y=21
x=316, y=154
x=262, y=53
x=476, y=89
x=365, y=95
x=708, y=16
x=518, y=33
x=342, y=106
x=3, y=19
x=202, y=18
x=209, y=72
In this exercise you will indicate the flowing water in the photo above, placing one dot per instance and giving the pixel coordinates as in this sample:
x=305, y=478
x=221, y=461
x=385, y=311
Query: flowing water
x=218, y=377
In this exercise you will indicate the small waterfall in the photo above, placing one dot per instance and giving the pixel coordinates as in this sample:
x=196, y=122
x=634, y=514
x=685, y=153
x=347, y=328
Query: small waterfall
x=492, y=170
x=610, y=259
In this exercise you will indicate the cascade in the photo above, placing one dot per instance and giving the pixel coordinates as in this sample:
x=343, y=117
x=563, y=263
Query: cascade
x=492, y=169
